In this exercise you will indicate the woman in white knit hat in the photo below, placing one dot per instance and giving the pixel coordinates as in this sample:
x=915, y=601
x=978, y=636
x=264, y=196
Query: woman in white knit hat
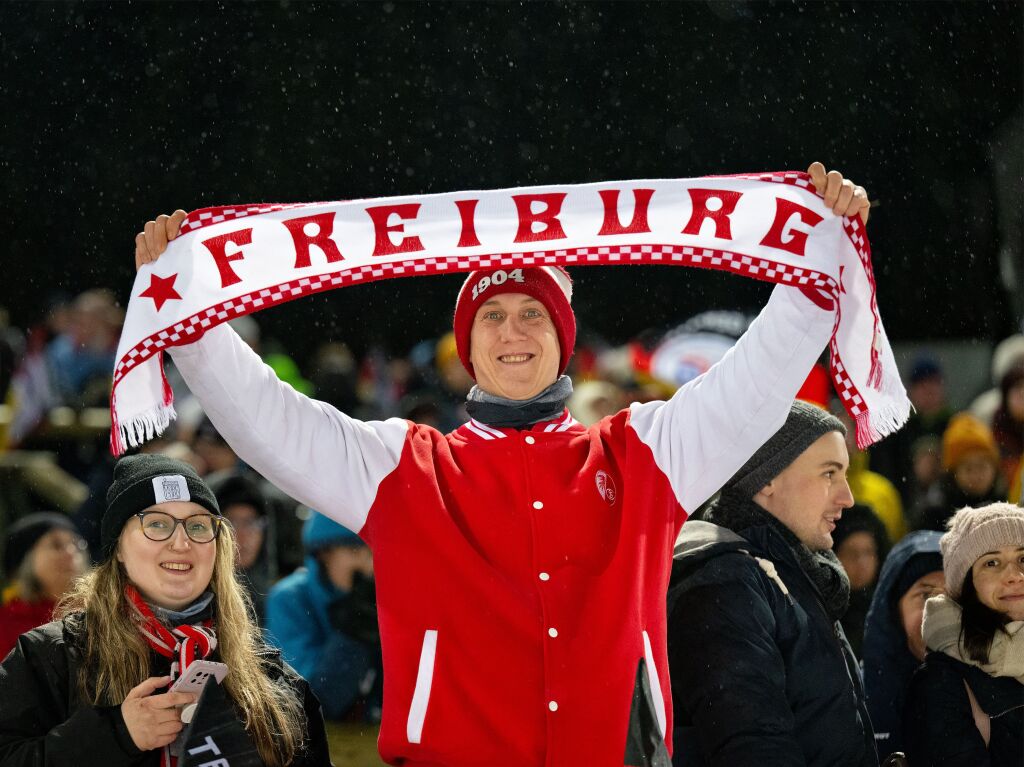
x=966, y=703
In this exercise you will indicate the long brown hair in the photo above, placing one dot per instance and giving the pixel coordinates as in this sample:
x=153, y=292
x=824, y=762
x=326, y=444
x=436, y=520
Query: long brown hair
x=117, y=658
x=978, y=622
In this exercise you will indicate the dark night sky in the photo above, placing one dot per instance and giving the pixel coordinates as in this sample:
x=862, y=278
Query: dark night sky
x=113, y=113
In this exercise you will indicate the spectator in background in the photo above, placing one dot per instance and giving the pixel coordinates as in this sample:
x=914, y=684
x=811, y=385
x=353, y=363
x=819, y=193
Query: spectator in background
x=861, y=543
x=324, y=619
x=1008, y=353
x=970, y=463
x=1008, y=427
x=81, y=359
x=335, y=377
x=927, y=391
x=90, y=687
x=245, y=507
x=965, y=705
x=43, y=555
x=893, y=643
x=870, y=488
x=439, y=387
x=926, y=459
x=214, y=453
x=761, y=670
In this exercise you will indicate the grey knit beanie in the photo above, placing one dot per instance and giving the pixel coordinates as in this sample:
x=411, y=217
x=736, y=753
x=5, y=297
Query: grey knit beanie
x=972, y=532
x=804, y=425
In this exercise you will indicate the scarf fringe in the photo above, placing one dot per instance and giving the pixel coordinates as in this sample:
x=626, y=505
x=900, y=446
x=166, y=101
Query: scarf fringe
x=879, y=422
x=141, y=428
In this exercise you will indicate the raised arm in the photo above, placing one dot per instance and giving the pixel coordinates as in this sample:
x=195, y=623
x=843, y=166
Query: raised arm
x=710, y=427
x=308, y=448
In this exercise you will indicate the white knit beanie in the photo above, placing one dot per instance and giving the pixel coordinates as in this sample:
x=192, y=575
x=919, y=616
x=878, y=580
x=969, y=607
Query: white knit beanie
x=972, y=532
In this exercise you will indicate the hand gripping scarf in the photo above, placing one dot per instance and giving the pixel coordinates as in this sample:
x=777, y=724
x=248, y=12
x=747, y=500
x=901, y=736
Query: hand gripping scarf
x=235, y=260
x=182, y=644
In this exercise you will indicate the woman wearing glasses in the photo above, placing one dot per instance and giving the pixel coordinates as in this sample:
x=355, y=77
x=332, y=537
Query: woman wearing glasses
x=93, y=687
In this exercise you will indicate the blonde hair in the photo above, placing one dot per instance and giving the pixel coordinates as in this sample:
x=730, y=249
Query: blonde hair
x=117, y=657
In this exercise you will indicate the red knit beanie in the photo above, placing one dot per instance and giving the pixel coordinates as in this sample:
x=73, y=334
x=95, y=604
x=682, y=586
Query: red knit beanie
x=551, y=285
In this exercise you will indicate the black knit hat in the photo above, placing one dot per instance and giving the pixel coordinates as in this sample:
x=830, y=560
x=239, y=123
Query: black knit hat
x=26, y=532
x=141, y=481
x=804, y=425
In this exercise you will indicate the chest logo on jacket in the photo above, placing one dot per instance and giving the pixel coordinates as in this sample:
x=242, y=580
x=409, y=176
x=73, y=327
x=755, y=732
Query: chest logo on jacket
x=605, y=486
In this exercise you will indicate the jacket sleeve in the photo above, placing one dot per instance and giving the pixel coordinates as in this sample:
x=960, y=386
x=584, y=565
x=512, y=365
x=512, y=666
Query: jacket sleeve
x=34, y=732
x=309, y=449
x=728, y=677
x=939, y=727
x=712, y=425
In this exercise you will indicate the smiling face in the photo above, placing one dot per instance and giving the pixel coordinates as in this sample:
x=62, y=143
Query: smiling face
x=999, y=580
x=809, y=496
x=170, y=574
x=514, y=347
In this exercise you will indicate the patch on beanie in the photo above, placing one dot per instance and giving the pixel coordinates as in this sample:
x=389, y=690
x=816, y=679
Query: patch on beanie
x=497, y=278
x=170, y=487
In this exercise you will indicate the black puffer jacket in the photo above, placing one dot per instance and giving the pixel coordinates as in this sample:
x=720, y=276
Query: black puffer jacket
x=939, y=724
x=759, y=677
x=43, y=722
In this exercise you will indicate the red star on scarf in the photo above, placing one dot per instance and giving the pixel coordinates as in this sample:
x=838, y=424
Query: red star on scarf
x=161, y=290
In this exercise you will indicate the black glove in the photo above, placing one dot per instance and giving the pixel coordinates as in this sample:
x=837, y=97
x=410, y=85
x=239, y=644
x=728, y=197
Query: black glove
x=355, y=613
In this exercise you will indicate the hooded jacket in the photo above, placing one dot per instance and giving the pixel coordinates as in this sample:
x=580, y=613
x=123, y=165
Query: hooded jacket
x=338, y=667
x=888, y=662
x=760, y=674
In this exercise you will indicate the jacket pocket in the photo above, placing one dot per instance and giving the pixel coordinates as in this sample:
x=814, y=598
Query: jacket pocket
x=421, y=693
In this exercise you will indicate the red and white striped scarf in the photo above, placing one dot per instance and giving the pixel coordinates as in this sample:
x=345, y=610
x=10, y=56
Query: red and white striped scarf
x=234, y=260
x=181, y=644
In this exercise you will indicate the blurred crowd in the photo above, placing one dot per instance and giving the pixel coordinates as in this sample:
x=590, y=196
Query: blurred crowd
x=311, y=581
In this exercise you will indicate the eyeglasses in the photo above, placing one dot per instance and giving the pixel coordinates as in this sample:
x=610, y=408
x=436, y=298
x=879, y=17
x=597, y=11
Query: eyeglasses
x=158, y=526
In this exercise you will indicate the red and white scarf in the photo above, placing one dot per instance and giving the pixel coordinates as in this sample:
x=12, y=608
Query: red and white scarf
x=181, y=644
x=235, y=260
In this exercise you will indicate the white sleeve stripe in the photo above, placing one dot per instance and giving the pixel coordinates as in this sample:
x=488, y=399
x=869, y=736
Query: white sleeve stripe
x=655, y=682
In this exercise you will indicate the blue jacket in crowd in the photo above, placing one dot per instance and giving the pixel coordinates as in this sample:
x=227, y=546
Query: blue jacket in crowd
x=339, y=668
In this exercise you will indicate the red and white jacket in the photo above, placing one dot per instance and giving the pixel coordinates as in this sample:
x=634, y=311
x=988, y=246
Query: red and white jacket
x=521, y=575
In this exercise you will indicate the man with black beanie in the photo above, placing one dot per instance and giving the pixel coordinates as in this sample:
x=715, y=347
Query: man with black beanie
x=761, y=670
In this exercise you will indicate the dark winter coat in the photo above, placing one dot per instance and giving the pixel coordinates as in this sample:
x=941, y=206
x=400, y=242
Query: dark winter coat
x=43, y=722
x=759, y=677
x=940, y=728
x=888, y=662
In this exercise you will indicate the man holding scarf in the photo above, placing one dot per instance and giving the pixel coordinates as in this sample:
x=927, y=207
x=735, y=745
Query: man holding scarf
x=521, y=560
